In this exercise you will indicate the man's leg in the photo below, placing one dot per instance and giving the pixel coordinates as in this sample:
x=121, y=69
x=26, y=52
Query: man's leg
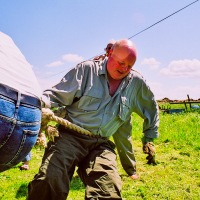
x=53, y=179
x=99, y=173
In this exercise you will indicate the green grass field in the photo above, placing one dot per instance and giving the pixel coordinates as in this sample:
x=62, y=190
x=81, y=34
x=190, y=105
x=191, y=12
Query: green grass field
x=176, y=177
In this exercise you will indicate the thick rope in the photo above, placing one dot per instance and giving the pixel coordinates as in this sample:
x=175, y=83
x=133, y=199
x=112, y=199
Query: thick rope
x=70, y=125
x=51, y=131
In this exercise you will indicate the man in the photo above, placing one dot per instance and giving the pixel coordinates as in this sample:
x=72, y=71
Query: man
x=20, y=105
x=99, y=97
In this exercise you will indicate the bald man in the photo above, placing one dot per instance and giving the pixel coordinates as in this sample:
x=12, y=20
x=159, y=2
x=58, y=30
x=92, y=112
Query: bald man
x=100, y=97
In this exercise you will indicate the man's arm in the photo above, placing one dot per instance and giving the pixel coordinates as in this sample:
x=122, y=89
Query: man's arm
x=66, y=90
x=147, y=108
x=123, y=142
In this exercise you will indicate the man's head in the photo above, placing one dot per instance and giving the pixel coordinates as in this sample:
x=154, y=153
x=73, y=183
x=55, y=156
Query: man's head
x=121, y=59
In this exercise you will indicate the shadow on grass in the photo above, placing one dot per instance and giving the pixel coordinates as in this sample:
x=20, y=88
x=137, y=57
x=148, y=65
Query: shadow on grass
x=76, y=183
x=22, y=191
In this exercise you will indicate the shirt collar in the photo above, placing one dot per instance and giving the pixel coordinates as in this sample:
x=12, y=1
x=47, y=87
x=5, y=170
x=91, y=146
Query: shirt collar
x=102, y=67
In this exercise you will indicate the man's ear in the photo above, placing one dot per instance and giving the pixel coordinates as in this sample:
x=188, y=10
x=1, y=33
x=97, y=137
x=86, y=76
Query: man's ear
x=110, y=52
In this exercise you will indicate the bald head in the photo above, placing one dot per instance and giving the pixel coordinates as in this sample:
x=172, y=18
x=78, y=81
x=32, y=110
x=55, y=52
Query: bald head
x=125, y=50
x=121, y=59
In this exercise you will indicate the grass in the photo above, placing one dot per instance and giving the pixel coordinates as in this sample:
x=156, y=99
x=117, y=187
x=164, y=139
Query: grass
x=176, y=177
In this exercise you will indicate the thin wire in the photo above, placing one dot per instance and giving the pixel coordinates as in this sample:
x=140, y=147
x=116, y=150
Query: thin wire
x=145, y=28
x=163, y=19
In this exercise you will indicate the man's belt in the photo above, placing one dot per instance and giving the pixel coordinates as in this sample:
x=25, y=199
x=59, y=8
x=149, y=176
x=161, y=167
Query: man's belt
x=13, y=94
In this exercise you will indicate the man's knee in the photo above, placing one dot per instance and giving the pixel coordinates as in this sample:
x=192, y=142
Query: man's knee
x=38, y=189
x=44, y=190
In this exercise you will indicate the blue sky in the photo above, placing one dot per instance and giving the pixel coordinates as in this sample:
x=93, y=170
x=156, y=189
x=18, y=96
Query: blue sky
x=55, y=35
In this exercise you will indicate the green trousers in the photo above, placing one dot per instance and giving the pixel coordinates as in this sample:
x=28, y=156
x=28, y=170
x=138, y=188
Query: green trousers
x=96, y=160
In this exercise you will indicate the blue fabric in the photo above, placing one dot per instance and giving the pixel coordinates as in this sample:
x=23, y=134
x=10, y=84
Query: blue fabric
x=27, y=158
x=19, y=128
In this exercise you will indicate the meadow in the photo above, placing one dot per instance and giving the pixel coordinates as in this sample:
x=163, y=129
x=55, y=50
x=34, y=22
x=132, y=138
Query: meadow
x=175, y=177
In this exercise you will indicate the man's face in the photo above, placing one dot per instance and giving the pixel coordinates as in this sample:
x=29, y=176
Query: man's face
x=120, y=62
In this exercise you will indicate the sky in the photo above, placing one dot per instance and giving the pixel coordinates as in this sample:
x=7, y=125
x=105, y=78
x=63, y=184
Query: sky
x=54, y=36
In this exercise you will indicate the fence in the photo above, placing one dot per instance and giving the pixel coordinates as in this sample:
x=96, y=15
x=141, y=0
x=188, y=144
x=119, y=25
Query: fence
x=186, y=102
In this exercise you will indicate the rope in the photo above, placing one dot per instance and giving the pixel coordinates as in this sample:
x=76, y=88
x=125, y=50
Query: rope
x=70, y=125
x=50, y=131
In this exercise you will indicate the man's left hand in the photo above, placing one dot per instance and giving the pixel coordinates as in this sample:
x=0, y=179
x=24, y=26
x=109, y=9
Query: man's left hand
x=148, y=148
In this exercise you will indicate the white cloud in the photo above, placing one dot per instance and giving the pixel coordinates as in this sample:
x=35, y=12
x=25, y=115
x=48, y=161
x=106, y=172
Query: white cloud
x=183, y=91
x=179, y=92
x=55, y=64
x=72, y=58
x=152, y=63
x=182, y=68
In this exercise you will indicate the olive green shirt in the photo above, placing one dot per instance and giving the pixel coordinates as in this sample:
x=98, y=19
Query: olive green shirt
x=85, y=92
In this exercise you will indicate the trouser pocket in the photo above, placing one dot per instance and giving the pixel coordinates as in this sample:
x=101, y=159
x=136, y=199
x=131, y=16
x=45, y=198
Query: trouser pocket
x=18, y=145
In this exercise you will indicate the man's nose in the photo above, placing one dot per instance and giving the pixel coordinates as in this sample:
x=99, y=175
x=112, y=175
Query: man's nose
x=124, y=68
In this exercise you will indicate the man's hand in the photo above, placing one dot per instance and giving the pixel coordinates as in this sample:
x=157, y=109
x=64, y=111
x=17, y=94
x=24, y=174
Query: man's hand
x=148, y=148
x=46, y=115
x=60, y=112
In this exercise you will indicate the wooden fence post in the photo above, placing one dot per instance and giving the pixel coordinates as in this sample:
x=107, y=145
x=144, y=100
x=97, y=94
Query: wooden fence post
x=189, y=101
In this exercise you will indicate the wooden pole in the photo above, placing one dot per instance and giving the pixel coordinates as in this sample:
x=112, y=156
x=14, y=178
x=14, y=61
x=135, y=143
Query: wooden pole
x=185, y=105
x=189, y=101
